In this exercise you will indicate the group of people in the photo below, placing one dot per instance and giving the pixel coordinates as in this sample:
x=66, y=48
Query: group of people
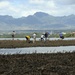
x=28, y=38
x=45, y=35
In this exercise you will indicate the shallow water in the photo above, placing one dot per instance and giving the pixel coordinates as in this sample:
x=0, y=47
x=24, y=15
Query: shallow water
x=36, y=39
x=37, y=49
x=29, y=50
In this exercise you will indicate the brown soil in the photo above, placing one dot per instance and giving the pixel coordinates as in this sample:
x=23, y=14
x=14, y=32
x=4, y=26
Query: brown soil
x=38, y=64
x=23, y=43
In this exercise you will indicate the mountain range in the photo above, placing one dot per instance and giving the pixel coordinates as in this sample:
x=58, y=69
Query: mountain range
x=37, y=21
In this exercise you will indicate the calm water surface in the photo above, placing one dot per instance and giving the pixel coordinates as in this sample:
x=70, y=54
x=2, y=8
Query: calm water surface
x=37, y=50
x=36, y=39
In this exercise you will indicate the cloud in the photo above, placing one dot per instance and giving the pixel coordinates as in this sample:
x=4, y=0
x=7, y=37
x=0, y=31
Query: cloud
x=6, y=0
x=36, y=1
x=11, y=8
x=65, y=2
x=19, y=8
x=4, y=4
x=61, y=2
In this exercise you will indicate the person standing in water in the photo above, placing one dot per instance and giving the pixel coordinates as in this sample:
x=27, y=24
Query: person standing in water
x=13, y=35
x=46, y=35
x=34, y=37
x=61, y=35
x=27, y=39
x=42, y=37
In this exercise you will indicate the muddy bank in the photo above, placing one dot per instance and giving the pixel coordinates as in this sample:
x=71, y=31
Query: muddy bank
x=23, y=43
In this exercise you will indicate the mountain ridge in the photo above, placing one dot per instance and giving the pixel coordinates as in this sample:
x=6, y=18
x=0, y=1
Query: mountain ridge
x=39, y=20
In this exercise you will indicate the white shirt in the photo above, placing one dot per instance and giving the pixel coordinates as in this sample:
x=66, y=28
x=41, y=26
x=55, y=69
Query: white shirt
x=42, y=36
x=34, y=35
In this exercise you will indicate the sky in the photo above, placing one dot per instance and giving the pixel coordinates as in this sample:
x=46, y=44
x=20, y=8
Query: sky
x=23, y=8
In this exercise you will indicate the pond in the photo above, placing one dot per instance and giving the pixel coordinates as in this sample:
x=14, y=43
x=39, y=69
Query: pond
x=30, y=50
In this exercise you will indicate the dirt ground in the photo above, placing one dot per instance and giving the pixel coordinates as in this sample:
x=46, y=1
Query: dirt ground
x=23, y=43
x=38, y=64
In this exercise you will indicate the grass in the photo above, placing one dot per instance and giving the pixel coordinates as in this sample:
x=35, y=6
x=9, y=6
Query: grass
x=38, y=64
x=23, y=43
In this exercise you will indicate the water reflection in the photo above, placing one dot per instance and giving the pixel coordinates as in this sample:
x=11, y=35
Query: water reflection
x=38, y=50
